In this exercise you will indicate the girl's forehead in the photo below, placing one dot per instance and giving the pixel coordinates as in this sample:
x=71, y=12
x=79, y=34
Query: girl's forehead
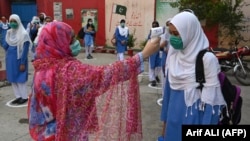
x=13, y=20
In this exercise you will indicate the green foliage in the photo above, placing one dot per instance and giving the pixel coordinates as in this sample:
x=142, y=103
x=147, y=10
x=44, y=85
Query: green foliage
x=225, y=13
x=131, y=40
x=143, y=44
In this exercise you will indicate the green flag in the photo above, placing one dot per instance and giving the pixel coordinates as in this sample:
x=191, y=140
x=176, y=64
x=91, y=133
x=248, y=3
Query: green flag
x=119, y=9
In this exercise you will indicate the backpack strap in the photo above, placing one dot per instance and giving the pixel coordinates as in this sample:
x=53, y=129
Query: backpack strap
x=199, y=69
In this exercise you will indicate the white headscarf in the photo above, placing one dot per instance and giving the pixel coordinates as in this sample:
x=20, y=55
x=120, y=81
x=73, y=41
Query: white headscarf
x=17, y=37
x=123, y=30
x=181, y=63
x=35, y=19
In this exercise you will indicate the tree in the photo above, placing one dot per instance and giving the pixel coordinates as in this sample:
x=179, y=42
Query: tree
x=227, y=14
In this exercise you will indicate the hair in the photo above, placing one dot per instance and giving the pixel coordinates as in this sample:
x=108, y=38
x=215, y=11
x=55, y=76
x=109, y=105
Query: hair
x=122, y=21
x=155, y=22
x=48, y=17
x=188, y=10
x=89, y=19
x=90, y=25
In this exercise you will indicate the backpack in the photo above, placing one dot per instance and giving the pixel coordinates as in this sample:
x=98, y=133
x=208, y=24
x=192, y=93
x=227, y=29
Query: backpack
x=231, y=114
x=81, y=33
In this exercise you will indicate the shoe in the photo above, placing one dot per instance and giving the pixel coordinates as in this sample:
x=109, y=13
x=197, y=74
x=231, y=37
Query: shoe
x=153, y=83
x=157, y=79
x=88, y=57
x=16, y=100
x=91, y=57
x=21, y=101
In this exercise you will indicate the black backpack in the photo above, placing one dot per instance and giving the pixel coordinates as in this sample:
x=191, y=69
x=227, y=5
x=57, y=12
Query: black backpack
x=230, y=115
x=81, y=33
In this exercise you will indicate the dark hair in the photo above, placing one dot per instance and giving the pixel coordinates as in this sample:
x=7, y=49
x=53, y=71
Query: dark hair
x=90, y=25
x=48, y=17
x=89, y=19
x=188, y=10
x=122, y=21
x=155, y=23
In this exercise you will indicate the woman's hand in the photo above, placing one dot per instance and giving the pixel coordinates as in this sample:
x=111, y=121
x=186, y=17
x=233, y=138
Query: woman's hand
x=124, y=42
x=22, y=67
x=151, y=47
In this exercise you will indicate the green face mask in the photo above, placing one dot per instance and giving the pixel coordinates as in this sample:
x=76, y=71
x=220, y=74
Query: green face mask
x=176, y=42
x=75, y=48
x=122, y=24
x=13, y=25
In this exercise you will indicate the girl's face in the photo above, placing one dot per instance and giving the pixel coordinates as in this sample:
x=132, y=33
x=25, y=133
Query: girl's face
x=13, y=20
x=3, y=19
x=13, y=24
x=173, y=30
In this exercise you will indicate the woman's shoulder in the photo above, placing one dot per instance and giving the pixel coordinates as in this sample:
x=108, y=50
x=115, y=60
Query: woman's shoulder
x=209, y=57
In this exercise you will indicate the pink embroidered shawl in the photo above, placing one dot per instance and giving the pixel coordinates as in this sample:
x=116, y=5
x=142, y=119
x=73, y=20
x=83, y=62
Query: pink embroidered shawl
x=72, y=101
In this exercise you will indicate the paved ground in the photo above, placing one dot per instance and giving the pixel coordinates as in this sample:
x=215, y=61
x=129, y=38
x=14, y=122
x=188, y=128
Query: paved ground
x=12, y=119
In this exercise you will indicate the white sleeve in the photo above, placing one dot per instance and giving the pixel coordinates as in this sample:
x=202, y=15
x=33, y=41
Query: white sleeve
x=38, y=34
x=28, y=28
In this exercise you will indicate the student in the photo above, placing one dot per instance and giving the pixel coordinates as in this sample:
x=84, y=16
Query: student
x=42, y=17
x=32, y=29
x=164, y=46
x=183, y=103
x=75, y=101
x=121, y=38
x=17, y=47
x=4, y=26
x=89, y=37
x=154, y=62
x=48, y=19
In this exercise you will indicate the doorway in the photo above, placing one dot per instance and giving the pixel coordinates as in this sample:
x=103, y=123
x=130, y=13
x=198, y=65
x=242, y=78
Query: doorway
x=25, y=11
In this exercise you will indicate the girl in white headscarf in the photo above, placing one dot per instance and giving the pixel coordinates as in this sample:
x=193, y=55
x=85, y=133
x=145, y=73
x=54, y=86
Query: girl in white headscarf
x=121, y=37
x=32, y=29
x=16, y=47
x=183, y=103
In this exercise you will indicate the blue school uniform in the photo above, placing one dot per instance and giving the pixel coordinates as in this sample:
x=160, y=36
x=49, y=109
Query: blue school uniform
x=14, y=75
x=88, y=37
x=120, y=48
x=175, y=113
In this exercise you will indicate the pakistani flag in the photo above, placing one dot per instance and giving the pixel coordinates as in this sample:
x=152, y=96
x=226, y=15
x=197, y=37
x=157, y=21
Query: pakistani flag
x=119, y=9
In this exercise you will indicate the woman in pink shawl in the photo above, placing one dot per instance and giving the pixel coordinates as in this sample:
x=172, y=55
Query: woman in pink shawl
x=72, y=101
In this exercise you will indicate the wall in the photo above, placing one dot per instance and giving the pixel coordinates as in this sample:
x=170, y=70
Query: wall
x=164, y=11
x=77, y=5
x=5, y=8
x=225, y=42
x=139, y=17
x=246, y=33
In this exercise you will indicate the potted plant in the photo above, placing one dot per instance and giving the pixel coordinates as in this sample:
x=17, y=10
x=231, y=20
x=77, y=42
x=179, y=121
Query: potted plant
x=143, y=44
x=131, y=43
x=225, y=14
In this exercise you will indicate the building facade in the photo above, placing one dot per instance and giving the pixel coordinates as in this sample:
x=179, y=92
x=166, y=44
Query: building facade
x=139, y=15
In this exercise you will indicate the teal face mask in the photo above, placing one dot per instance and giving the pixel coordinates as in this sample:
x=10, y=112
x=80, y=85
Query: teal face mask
x=13, y=25
x=75, y=48
x=122, y=24
x=176, y=42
